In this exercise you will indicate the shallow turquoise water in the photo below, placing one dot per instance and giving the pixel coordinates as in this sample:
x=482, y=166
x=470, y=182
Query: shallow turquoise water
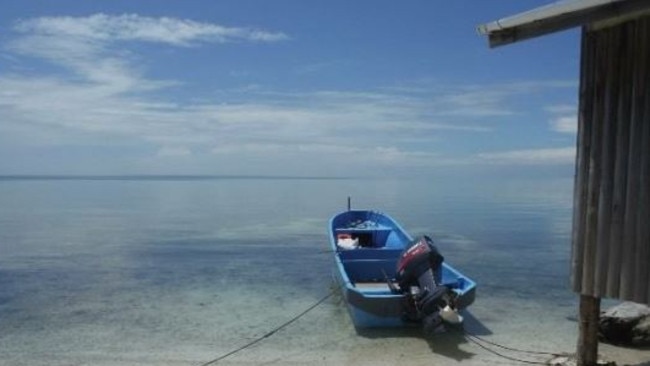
x=146, y=271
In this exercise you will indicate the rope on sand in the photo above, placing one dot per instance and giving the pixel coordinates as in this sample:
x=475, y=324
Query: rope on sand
x=473, y=338
x=267, y=335
x=477, y=341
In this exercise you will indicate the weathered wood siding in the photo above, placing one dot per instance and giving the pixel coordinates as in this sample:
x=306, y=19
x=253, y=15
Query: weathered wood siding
x=611, y=222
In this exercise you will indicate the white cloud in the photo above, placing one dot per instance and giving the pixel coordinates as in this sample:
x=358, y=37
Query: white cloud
x=106, y=99
x=564, y=118
x=471, y=102
x=492, y=100
x=564, y=155
x=133, y=27
x=565, y=124
x=89, y=46
x=310, y=131
x=379, y=128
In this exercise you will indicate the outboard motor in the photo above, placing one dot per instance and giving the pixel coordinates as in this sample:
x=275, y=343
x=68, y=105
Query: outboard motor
x=419, y=275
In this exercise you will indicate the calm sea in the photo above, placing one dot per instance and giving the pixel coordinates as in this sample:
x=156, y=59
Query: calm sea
x=181, y=270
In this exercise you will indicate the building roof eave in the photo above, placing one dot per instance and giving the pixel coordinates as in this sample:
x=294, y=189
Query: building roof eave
x=558, y=16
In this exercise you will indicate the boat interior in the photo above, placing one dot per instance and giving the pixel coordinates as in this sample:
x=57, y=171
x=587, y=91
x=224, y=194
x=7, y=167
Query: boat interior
x=370, y=265
x=373, y=263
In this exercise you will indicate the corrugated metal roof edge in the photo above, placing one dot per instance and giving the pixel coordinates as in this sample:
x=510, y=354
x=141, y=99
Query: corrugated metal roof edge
x=556, y=17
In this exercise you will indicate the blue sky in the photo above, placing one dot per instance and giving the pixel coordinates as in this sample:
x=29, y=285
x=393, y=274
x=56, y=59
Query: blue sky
x=306, y=88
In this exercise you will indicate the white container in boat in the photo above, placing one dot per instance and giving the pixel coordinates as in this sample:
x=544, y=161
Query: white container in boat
x=345, y=241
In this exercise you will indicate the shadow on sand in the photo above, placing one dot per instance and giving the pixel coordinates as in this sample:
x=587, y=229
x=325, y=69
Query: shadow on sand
x=444, y=342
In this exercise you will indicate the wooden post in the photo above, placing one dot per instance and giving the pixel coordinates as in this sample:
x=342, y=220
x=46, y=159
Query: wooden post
x=587, y=354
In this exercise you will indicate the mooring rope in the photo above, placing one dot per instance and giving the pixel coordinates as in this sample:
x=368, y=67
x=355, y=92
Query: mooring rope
x=515, y=359
x=267, y=335
x=512, y=348
x=477, y=341
x=471, y=337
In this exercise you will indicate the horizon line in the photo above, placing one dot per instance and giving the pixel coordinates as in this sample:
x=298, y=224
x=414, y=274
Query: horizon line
x=177, y=177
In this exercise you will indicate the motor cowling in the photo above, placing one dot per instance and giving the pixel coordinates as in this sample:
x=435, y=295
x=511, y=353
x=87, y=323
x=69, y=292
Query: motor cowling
x=419, y=257
x=419, y=276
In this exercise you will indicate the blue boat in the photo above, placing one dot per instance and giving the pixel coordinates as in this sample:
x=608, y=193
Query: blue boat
x=389, y=279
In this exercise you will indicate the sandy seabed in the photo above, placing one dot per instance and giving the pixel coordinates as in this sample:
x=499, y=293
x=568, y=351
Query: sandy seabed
x=192, y=328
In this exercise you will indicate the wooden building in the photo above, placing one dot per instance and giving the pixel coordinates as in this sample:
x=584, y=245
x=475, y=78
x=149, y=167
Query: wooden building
x=611, y=222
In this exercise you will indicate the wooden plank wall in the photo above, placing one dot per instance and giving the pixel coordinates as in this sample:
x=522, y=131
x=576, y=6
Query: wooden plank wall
x=611, y=221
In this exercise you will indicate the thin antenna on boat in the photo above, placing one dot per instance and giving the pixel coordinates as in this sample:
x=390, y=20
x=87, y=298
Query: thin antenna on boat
x=349, y=203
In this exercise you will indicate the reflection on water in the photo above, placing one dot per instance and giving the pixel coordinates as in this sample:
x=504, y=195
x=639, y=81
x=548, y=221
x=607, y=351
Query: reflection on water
x=145, y=271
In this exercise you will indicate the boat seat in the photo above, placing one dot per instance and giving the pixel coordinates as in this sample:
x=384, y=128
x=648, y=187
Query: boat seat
x=379, y=287
x=370, y=254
